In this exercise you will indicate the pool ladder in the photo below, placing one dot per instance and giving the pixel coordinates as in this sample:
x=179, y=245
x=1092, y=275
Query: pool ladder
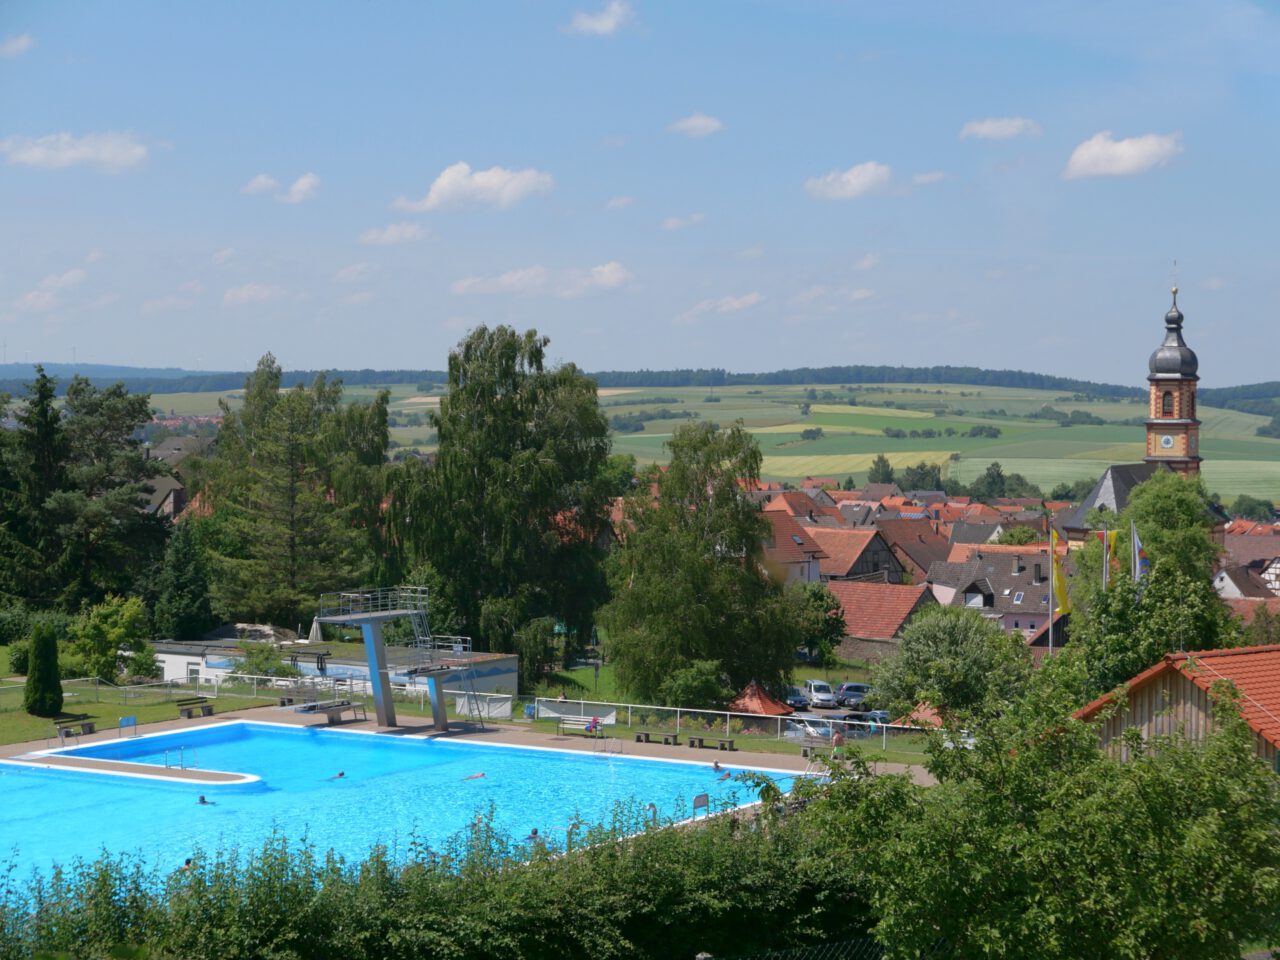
x=182, y=758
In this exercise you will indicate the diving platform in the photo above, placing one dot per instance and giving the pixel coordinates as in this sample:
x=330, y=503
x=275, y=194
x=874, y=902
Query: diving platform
x=369, y=610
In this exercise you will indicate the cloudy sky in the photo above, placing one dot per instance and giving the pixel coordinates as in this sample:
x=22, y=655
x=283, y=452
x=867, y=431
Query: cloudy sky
x=749, y=185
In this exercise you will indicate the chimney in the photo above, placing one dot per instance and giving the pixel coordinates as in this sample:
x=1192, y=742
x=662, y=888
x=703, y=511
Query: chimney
x=1039, y=573
x=1017, y=564
x=811, y=520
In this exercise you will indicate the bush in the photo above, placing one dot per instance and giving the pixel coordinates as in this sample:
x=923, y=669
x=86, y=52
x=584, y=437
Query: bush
x=15, y=624
x=43, y=694
x=18, y=653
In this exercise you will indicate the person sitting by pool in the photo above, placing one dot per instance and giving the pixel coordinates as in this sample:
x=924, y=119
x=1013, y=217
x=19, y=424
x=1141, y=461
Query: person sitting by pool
x=562, y=696
x=715, y=765
x=474, y=776
x=593, y=726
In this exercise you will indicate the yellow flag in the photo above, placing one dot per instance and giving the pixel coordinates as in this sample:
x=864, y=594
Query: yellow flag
x=1059, y=581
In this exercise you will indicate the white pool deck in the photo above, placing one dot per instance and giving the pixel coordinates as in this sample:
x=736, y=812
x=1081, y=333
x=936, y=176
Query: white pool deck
x=510, y=733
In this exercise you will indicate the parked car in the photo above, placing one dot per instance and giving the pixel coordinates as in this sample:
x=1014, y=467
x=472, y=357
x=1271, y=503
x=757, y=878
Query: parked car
x=867, y=717
x=807, y=729
x=797, y=700
x=819, y=694
x=852, y=694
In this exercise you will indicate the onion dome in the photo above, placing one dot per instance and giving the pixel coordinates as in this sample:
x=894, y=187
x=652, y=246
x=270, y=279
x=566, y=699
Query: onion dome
x=1174, y=359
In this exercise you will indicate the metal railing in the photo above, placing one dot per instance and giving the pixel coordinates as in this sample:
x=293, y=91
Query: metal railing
x=378, y=600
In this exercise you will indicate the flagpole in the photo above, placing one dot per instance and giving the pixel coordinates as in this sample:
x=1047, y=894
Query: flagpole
x=1053, y=556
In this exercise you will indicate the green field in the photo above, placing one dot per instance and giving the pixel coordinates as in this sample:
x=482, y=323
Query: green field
x=1236, y=459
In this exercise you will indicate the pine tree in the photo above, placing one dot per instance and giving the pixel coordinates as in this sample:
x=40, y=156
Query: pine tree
x=43, y=694
x=881, y=470
x=182, y=608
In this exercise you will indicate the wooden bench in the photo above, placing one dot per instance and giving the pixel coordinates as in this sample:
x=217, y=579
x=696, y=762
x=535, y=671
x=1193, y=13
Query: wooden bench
x=809, y=752
x=723, y=743
x=192, y=706
x=590, y=726
x=79, y=725
x=668, y=739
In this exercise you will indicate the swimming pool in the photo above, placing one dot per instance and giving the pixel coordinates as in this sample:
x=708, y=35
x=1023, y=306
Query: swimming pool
x=394, y=790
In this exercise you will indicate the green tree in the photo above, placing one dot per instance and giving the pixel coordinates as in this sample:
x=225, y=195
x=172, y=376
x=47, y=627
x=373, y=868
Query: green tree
x=819, y=617
x=1074, y=492
x=699, y=686
x=182, y=609
x=881, y=470
x=923, y=476
x=1018, y=536
x=106, y=636
x=991, y=484
x=1127, y=628
x=516, y=505
x=42, y=696
x=1263, y=629
x=619, y=474
x=1068, y=852
x=1253, y=508
x=688, y=583
x=292, y=487
x=264, y=660
x=955, y=661
x=1174, y=520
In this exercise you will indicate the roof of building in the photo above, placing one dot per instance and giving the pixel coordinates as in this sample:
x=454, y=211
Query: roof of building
x=828, y=482
x=878, y=491
x=1246, y=608
x=162, y=488
x=1242, y=548
x=962, y=552
x=1247, y=578
x=843, y=547
x=916, y=539
x=1255, y=672
x=1112, y=491
x=1010, y=581
x=1173, y=359
x=790, y=542
x=857, y=514
x=877, y=611
x=754, y=699
x=967, y=531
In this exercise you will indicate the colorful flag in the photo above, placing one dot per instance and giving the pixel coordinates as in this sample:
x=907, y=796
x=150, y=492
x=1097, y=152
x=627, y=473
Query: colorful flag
x=1141, y=565
x=1059, y=582
x=1108, y=540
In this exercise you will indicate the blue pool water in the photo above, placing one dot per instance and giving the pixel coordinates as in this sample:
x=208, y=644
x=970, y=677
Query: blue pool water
x=394, y=789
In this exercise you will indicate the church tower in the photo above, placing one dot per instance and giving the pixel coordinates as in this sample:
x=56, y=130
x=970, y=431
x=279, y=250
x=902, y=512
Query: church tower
x=1173, y=432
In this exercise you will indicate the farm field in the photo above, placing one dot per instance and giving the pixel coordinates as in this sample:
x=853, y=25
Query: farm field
x=1236, y=459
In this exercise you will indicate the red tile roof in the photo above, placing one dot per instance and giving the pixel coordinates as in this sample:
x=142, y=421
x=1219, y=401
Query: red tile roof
x=963, y=552
x=877, y=611
x=1255, y=672
x=753, y=699
x=821, y=482
x=791, y=542
x=797, y=503
x=1246, y=608
x=843, y=547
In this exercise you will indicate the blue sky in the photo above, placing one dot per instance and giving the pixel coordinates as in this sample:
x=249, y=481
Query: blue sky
x=750, y=185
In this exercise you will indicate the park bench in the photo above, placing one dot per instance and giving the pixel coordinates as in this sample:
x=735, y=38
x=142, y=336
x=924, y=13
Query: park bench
x=669, y=739
x=723, y=743
x=590, y=726
x=78, y=724
x=192, y=706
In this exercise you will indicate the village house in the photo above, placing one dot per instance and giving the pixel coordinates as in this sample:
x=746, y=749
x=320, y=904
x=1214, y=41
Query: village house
x=875, y=615
x=857, y=554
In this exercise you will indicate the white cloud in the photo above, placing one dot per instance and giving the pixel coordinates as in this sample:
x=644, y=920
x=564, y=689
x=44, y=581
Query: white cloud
x=262, y=183
x=94, y=256
x=1214, y=283
x=754, y=252
x=606, y=276
x=353, y=273
x=304, y=188
x=524, y=280
x=16, y=46
x=868, y=261
x=832, y=295
x=617, y=203
x=166, y=305
x=359, y=297
x=696, y=125
x=251, y=293
x=45, y=296
x=111, y=152
x=223, y=255
x=679, y=223
x=193, y=286
x=392, y=233
x=497, y=187
x=1103, y=156
x=858, y=180
x=861, y=293
x=1000, y=128
x=615, y=15
x=721, y=305
x=933, y=176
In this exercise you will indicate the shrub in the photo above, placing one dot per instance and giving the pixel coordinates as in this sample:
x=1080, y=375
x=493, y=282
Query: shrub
x=43, y=694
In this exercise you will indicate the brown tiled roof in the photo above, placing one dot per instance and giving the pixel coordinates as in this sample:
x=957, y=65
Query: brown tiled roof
x=798, y=504
x=1255, y=672
x=1246, y=608
x=914, y=539
x=791, y=543
x=877, y=611
x=842, y=547
x=1244, y=548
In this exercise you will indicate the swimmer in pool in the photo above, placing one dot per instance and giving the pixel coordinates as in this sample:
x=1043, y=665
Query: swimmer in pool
x=474, y=776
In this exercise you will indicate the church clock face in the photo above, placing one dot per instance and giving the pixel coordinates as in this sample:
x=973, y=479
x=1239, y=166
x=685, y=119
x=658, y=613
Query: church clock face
x=1167, y=442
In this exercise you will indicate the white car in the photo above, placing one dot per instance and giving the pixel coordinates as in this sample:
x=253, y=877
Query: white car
x=820, y=694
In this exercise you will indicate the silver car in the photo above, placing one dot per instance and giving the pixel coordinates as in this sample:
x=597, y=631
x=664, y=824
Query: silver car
x=820, y=694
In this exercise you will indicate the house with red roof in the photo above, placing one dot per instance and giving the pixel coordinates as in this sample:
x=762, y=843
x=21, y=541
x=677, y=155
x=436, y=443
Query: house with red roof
x=1174, y=697
x=875, y=615
x=790, y=553
x=806, y=510
x=856, y=554
x=916, y=543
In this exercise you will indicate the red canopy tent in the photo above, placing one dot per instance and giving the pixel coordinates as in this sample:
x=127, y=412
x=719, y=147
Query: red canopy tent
x=753, y=699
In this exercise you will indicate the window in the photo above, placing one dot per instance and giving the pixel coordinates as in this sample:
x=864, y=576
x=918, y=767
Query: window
x=1015, y=625
x=1166, y=405
x=1017, y=597
x=1031, y=625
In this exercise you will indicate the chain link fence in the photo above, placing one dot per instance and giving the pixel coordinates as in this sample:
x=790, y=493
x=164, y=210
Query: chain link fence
x=863, y=948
